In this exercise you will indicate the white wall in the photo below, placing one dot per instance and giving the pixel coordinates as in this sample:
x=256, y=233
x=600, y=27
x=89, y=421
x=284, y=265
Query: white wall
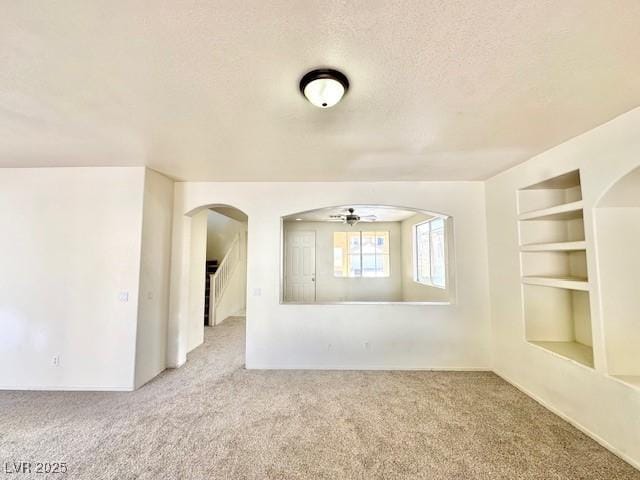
x=617, y=226
x=70, y=243
x=413, y=291
x=602, y=406
x=197, y=270
x=221, y=231
x=233, y=300
x=618, y=237
x=155, y=263
x=343, y=336
x=335, y=289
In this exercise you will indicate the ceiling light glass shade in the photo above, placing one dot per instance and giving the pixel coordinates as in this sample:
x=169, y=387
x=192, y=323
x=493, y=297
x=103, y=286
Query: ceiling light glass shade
x=324, y=88
x=324, y=92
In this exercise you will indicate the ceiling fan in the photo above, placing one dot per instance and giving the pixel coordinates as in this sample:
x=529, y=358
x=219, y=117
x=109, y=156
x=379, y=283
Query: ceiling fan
x=351, y=218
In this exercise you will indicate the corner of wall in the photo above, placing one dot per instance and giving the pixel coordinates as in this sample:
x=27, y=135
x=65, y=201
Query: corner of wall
x=153, y=294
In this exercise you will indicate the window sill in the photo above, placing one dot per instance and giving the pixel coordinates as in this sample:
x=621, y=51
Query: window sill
x=362, y=278
x=439, y=287
x=366, y=303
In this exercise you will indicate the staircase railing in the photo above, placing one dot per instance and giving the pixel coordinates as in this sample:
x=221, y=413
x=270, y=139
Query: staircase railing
x=221, y=278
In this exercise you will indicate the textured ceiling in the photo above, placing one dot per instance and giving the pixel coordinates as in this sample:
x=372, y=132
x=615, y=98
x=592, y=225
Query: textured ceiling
x=441, y=90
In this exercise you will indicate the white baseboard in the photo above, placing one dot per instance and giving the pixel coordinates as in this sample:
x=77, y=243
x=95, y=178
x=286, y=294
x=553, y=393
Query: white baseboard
x=571, y=421
x=67, y=388
x=356, y=368
x=177, y=365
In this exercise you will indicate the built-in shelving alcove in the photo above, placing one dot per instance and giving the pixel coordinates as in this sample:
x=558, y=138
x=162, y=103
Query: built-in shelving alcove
x=554, y=267
x=617, y=227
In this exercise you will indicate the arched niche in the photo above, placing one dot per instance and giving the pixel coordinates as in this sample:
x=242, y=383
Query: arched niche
x=617, y=228
x=379, y=258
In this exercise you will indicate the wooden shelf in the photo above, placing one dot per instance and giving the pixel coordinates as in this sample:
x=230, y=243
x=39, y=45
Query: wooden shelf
x=555, y=247
x=566, y=211
x=572, y=350
x=570, y=283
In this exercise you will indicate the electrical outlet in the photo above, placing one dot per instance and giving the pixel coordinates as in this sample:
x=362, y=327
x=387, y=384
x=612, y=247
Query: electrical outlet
x=257, y=292
x=56, y=360
x=150, y=295
x=367, y=346
x=123, y=297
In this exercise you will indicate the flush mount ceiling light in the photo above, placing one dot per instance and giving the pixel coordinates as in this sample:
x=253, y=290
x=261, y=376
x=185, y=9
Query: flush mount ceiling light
x=324, y=87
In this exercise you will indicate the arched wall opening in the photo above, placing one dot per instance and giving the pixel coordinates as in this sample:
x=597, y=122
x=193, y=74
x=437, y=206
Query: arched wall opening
x=365, y=253
x=209, y=274
x=617, y=234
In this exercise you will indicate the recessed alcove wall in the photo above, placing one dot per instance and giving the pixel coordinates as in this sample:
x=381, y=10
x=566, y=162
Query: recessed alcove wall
x=598, y=403
x=617, y=221
x=309, y=253
x=554, y=267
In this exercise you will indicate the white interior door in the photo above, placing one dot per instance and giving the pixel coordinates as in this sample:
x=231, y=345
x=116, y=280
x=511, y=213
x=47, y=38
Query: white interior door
x=300, y=267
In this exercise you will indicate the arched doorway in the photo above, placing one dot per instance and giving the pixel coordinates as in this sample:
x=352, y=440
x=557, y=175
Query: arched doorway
x=209, y=274
x=617, y=228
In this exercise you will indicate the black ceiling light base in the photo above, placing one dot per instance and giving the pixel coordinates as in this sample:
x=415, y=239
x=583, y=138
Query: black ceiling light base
x=320, y=74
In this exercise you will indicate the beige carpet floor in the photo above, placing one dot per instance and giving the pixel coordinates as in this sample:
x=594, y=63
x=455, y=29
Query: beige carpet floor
x=214, y=419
